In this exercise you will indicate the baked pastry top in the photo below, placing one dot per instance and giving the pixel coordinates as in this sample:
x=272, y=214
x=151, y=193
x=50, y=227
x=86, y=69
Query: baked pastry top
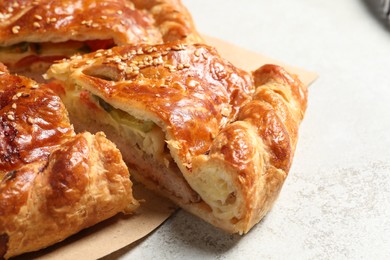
x=124, y=21
x=53, y=30
x=215, y=139
x=53, y=183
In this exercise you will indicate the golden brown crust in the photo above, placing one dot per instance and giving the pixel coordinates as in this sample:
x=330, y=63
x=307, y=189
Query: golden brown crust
x=121, y=20
x=53, y=183
x=174, y=83
x=33, y=122
x=256, y=151
x=172, y=19
x=232, y=134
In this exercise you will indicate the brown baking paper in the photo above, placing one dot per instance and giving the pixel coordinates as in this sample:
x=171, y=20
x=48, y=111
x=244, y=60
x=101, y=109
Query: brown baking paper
x=249, y=60
x=120, y=231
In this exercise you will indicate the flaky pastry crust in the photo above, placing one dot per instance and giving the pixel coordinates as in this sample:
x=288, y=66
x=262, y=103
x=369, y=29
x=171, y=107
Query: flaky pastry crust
x=124, y=21
x=53, y=183
x=231, y=134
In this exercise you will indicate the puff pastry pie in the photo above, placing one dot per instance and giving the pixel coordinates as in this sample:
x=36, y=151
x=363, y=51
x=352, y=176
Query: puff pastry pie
x=215, y=139
x=34, y=33
x=53, y=183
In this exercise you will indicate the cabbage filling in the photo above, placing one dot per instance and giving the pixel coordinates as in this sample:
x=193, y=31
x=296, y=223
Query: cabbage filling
x=14, y=54
x=124, y=118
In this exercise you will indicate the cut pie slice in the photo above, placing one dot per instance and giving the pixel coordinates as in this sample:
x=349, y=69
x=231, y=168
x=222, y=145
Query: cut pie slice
x=53, y=183
x=215, y=139
x=35, y=33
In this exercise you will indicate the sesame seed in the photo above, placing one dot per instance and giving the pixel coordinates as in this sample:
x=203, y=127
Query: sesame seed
x=119, y=12
x=16, y=96
x=16, y=29
x=179, y=47
x=99, y=54
x=180, y=66
x=15, y=5
x=197, y=53
x=38, y=17
x=149, y=50
x=30, y=120
x=35, y=86
x=186, y=65
x=170, y=67
x=14, y=106
x=36, y=25
x=11, y=117
x=53, y=20
x=87, y=23
x=10, y=9
x=139, y=51
x=95, y=25
x=104, y=17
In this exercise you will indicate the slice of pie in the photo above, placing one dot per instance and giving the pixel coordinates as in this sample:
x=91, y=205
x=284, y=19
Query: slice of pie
x=35, y=33
x=53, y=183
x=215, y=139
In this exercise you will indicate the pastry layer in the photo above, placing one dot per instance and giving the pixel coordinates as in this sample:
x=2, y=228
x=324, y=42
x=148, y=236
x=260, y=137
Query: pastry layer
x=230, y=134
x=53, y=183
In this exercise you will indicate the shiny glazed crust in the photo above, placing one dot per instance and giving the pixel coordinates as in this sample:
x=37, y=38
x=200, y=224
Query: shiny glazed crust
x=124, y=21
x=53, y=183
x=231, y=133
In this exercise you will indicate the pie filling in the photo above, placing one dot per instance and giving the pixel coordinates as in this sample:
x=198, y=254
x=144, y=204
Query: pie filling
x=142, y=142
x=25, y=54
x=215, y=188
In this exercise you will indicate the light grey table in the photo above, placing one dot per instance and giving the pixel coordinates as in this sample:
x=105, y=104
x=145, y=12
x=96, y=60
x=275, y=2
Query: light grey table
x=335, y=203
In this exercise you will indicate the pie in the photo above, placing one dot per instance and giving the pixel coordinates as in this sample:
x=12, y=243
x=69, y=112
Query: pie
x=216, y=140
x=35, y=33
x=53, y=183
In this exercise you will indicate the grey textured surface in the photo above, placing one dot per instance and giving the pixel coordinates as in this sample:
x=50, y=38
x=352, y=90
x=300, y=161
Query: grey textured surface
x=335, y=203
